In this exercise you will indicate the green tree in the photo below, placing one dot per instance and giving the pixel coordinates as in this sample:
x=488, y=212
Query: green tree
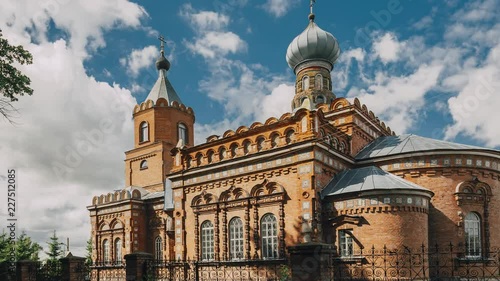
x=26, y=249
x=4, y=247
x=88, y=256
x=55, y=249
x=13, y=82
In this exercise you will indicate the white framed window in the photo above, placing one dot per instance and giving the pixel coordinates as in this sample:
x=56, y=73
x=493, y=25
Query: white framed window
x=472, y=235
x=144, y=132
x=182, y=133
x=207, y=241
x=236, y=239
x=345, y=243
x=105, y=251
x=158, y=248
x=269, y=236
x=318, y=82
x=118, y=251
x=305, y=83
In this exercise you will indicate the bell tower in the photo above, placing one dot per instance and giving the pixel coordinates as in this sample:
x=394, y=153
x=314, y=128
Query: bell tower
x=312, y=55
x=161, y=123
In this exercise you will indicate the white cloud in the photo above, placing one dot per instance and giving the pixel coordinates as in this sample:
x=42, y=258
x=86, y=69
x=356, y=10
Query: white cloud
x=476, y=106
x=139, y=59
x=211, y=39
x=387, y=47
x=72, y=123
x=204, y=20
x=398, y=99
x=279, y=8
x=214, y=44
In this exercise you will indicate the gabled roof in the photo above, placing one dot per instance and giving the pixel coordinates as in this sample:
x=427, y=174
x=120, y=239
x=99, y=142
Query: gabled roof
x=392, y=145
x=163, y=89
x=367, y=179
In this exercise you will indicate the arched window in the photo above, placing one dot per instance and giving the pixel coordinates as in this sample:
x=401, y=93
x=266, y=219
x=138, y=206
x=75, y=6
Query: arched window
x=342, y=147
x=274, y=141
x=246, y=147
x=105, y=251
x=158, y=249
x=144, y=132
x=318, y=82
x=289, y=136
x=269, y=235
x=335, y=143
x=182, y=133
x=188, y=161
x=144, y=164
x=222, y=153
x=199, y=157
x=472, y=235
x=210, y=156
x=236, y=239
x=207, y=241
x=320, y=99
x=234, y=149
x=118, y=251
x=260, y=144
x=305, y=83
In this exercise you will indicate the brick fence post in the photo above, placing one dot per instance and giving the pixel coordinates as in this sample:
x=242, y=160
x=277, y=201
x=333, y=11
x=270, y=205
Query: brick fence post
x=136, y=265
x=26, y=270
x=72, y=268
x=311, y=261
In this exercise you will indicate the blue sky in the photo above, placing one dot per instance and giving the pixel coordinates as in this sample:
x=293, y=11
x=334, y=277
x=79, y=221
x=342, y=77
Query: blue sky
x=424, y=67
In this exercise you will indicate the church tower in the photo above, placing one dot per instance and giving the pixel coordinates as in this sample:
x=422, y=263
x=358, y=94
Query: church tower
x=161, y=123
x=312, y=55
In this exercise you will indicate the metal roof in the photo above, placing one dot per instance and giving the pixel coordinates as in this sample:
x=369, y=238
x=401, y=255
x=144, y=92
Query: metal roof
x=163, y=89
x=312, y=44
x=392, y=145
x=366, y=179
x=152, y=195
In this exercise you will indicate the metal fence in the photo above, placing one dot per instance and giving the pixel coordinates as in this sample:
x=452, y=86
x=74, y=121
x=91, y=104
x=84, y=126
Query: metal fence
x=435, y=263
x=246, y=270
x=108, y=271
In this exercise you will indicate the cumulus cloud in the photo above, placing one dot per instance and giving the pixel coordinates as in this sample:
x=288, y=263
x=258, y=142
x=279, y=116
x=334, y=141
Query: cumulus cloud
x=139, y=59
x=70, y=135
x=279, y=8
x=212, y=37
x=387, y=48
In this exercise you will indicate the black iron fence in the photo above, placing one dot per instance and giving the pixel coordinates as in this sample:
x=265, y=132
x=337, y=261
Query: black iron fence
x=435, y=263
x=108, y=271
x=245, y=270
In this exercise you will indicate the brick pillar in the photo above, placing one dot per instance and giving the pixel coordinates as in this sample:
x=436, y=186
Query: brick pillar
x=136, y=265
x=26, y=270
x=311, y=262
x=73, y=268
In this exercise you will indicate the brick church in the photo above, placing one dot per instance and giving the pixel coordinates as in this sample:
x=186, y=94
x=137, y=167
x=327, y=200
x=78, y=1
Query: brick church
x=328, y=171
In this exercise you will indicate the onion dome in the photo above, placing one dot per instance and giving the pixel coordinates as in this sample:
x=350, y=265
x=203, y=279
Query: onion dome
x=313, y=44
x=162, y=62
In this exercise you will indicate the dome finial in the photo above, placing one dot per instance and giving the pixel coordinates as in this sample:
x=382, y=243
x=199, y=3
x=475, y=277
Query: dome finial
x=162, y=62
x=311, y=6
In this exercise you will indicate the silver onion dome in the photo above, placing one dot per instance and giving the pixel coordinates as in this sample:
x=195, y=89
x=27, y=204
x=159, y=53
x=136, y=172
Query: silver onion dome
x=313, y=44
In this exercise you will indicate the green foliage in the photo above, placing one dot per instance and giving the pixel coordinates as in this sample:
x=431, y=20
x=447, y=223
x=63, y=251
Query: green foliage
x=25, y=248
x=55, y=248
x=88, y=255
x=13, y=82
